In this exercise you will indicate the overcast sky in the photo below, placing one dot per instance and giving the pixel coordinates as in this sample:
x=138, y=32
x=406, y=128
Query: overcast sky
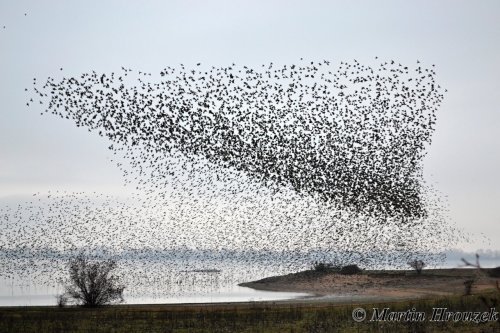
x=462, y=38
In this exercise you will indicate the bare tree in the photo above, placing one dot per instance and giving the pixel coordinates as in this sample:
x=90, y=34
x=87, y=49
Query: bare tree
x=92, y=283
x=480, y=273
x=469, y=284
x=489, y=301
x=417, y=265
x=61, y=300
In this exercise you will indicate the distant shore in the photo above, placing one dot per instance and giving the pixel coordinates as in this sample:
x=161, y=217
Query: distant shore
x=375, y=285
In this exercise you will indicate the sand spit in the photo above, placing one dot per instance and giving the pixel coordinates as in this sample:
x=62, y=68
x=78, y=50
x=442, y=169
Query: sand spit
x=375, y=285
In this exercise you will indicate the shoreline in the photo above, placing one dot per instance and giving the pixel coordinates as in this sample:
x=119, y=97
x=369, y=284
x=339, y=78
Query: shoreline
x=368, y=286
x=375, y=285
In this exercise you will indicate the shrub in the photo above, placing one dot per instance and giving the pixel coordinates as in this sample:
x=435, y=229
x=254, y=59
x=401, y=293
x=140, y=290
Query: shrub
x=92, y=283
x=62, y=300
x=417, y=265
x=350, y=270
x=321, y=267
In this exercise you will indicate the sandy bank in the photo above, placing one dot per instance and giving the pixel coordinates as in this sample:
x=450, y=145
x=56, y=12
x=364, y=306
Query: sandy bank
x=375, y=285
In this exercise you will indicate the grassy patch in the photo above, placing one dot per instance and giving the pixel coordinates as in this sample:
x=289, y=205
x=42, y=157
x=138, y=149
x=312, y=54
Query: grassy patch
x=248, y=317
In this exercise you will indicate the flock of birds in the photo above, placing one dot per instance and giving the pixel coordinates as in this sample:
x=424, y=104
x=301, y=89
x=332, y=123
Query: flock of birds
x=253, y=171
x=353, y=137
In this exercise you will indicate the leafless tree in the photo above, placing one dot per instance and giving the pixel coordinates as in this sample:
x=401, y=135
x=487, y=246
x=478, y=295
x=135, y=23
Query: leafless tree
x=61, y=300
x=468, y=284
x=93, y=283
x=417, y=265
x=489, y=301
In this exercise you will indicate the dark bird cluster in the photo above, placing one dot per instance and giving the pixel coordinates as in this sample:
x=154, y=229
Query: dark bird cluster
x=253, y=171
x=353, y=137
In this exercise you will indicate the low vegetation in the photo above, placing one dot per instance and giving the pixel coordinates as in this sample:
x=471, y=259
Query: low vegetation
x=418, y=265
x=323, y=267
x=257, y=317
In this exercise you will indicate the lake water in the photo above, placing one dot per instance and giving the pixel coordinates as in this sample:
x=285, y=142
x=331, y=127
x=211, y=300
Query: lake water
x=160, y=286
x=233, y=294
x=147, y=282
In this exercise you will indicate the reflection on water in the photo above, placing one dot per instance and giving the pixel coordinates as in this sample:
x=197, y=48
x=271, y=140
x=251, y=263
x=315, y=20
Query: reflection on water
x=147, y=281
x=231, y=294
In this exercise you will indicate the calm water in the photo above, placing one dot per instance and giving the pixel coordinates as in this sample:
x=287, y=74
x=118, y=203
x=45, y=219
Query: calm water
x=173, y=287
x=156, y=284
x=234, y=294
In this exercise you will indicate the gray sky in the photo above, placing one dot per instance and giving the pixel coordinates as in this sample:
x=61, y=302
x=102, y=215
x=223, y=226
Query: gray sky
x=462, y=38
